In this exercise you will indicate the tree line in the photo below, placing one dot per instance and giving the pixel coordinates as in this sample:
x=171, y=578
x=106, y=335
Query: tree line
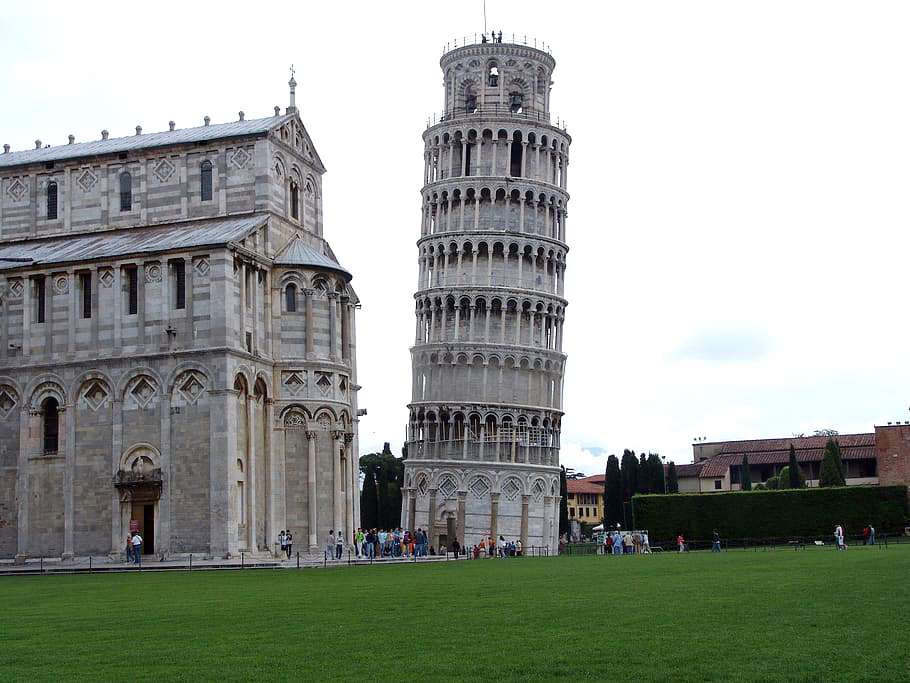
x=383, y=482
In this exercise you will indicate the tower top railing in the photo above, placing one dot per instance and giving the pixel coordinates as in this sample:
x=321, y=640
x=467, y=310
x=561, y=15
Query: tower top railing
x=495, y=110
x=497, y=38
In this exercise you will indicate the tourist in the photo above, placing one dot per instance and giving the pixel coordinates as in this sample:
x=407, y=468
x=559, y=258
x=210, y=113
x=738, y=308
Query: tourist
x=518, y=547
x=512, y=549
x=502, y=547
x=715, y=547
x=288, y=542
x=871, y=535
x=839, y=537
x=491, y=548
x=137, y=548
x=129, y=548
x=617, y=543
x=645, y=543
x=339, y=544
x=482, y=547
x=627, y=548
x=281, y=542
x=330, y=545
x=636, y=542
x=681, y=543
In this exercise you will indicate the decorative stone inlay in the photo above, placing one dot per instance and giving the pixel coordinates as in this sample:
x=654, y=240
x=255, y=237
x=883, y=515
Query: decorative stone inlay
x=7, y=403
x=294, y=421
x=240, y=158
x=190, y=386
x=17, y=190
x=537, y=491
x=15, y=289
x=511, y=489
x=143, y=391
x=95, y=394
x=61, y=284
x=87, y=180
x=479, y=488
x=309, y=191
x=164, y=170
x=152, y=272
x=201, y=265
x=323, y=382
x=293, y=383
x=422, y=486
x=106, y=277
x=447, y=487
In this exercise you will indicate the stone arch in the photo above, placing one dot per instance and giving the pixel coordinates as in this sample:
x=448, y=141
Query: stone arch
x=138, y=456
x=92, y=389
x=10, y=396
x=46, y=385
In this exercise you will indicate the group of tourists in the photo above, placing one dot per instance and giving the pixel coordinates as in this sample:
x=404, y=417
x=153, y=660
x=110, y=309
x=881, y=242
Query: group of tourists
x=286, y=541
x=627, y=543
x=373, y=543
x=489, y=548
x=134, y=548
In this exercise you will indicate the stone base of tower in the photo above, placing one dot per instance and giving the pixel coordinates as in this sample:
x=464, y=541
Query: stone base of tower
x=517, y=502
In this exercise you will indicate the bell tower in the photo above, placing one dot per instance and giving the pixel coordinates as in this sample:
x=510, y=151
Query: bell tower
x=487, y=360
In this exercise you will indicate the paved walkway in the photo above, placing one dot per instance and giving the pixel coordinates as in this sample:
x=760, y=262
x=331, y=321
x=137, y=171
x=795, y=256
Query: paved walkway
x=194, y=562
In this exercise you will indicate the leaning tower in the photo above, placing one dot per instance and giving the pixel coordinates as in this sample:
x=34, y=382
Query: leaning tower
x=487, y=360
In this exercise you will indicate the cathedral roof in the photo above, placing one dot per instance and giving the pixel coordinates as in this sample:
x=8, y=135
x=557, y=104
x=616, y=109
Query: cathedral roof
x=118, y=243
x=253, y=127
x=296, y=253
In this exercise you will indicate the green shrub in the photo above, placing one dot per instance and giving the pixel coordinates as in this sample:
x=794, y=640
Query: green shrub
x=772, y=483
x=771, y=514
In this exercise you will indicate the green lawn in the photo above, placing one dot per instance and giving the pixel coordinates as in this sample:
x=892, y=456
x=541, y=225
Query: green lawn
x=814, y=615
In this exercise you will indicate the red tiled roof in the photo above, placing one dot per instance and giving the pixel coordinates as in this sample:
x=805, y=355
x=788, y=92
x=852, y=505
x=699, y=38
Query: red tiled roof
x=692, y=469
x=777, y=451
x=583, y=486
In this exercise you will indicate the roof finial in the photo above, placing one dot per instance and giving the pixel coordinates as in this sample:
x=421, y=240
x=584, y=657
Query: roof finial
x=293, y=85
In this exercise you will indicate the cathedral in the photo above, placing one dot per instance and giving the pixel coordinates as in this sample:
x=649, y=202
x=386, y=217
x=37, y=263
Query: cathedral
x=177, y=344
x=487, y=360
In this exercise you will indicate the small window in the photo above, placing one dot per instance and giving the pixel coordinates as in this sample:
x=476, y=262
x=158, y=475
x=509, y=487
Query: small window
x=718, y=484
x=40, y=297
x=515, y=103
x=179, y=283
x=291, y=295
x=295, y=200
x=126, y=192
x=470, y=104
x=85, y=287
x=50, y=414
x=494, y=76
x=132, y=290
x=205, y=180
x=51, y=201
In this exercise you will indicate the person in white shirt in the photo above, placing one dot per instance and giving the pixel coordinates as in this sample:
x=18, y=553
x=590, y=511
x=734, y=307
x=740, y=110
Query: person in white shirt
x=137, y=548
x=330, y=546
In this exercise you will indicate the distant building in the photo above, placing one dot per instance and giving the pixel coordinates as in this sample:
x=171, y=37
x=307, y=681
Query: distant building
x=881, y=457
x=585, y=499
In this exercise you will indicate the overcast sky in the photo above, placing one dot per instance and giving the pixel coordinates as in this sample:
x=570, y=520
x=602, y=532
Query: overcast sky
x=739, y=174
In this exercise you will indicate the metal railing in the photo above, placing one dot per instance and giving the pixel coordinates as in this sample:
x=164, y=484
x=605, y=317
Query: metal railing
x=496, y=110
x=512, y=39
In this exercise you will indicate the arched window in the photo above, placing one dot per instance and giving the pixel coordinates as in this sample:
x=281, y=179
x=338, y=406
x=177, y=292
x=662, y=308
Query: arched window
x=126, y=192
x=295, y=200
x=51, y=201
x=50, y=412
x=291, y=296
x=494, y=76
x=205, y=180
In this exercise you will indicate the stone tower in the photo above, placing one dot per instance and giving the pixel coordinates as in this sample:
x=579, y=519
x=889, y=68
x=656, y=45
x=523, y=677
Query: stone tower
x=487, y=360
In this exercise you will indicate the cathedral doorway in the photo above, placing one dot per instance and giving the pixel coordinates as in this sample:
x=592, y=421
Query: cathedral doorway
x=144, y=514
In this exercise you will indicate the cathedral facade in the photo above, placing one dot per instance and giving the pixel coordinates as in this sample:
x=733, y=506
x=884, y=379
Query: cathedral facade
x=487, y=360
x=177, y=345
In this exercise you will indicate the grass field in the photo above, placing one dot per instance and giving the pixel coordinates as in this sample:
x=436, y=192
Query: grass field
x=814, y=615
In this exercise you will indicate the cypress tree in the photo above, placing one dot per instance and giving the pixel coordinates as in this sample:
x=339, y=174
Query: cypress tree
x=831, y=472
x=612, y=492
x=797, y=479
x=672, y=483
x=644, y=475
x=656, y=474
x=745, y=475
x=629, y=471
x=383, y=505
x=563, y=503
x=369, y=503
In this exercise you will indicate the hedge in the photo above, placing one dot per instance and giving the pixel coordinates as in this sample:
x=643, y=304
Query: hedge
x=772, y=514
